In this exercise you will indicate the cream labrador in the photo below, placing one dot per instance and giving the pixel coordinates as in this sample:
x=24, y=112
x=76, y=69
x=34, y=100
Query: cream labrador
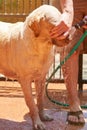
x=26, y=53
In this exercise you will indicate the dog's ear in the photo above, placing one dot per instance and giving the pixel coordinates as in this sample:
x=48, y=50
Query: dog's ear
x=36, y=28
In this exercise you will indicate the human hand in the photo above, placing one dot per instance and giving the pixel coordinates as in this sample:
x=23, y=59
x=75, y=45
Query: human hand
x=60, y=32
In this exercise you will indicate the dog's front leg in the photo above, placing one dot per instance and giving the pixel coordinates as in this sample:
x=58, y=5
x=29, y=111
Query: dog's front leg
x=40, y=89
x=27, y=90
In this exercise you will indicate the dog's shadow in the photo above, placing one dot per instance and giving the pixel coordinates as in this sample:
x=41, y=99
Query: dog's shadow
x=6, y=124
x=56, y=124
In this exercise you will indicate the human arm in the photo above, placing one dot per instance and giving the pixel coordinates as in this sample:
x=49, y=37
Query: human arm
x=62, y=30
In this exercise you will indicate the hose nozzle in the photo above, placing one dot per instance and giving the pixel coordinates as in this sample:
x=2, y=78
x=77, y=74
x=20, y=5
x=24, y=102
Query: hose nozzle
x=81, y=23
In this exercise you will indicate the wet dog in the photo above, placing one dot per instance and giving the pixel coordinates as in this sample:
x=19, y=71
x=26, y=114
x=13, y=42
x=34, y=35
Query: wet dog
x=26, y=53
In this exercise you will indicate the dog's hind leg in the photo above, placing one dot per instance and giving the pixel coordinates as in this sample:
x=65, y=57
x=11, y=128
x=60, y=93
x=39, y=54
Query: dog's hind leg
x=40, y=89
x=27, y=90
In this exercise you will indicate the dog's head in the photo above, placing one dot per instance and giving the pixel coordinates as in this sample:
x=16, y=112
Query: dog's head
x=42, y=20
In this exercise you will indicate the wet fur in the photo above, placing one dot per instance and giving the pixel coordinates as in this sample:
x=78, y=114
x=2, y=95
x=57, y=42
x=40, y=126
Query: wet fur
x=26, y=53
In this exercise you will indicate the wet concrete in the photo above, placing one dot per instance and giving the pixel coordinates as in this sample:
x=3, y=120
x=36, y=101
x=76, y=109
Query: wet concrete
x=14, y=114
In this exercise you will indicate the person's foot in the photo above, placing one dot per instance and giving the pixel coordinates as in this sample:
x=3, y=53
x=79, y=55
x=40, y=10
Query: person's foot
x=75, y=118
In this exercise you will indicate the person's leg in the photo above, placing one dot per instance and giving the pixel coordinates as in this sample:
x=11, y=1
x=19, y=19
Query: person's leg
x=70, y=73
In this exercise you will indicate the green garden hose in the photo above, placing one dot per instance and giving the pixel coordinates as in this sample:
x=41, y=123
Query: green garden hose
x=59, y=66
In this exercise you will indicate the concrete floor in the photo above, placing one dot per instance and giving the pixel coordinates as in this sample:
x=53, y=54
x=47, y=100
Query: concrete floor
x=14, y=114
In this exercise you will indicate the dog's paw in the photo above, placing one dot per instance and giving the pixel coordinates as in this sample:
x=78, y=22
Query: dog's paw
x=45, y=117
x=39, y=126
